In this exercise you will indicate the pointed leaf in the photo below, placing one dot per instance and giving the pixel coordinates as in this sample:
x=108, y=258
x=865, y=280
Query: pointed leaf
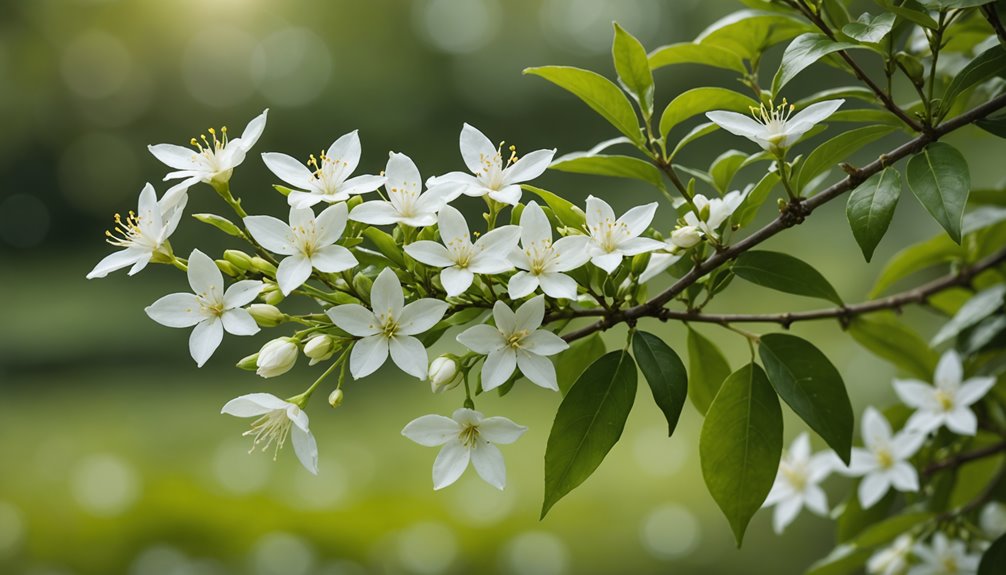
x=691, y=53
x=982, y=305
x=567, y=213
x=385, y=244
x=803, y=51
x=871, y=207
x=890, y=339
x=665, y=374
x=870, y=29
x=569, y=365
x=939, y=178
x=615, y=166
x=725, y=167
x=935, y=251
x=699, y=101
x=748, y=32
x=784, y=273
x=986, y=65
x=633, y=68
x=708, y=368
x=838, y=149
x=994, y=557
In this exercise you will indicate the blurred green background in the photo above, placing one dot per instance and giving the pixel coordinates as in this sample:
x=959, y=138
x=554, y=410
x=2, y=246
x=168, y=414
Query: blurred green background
x=113, y=457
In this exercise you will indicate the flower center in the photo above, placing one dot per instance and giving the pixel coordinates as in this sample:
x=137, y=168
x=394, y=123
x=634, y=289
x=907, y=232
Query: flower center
x=796, y=475
x=491, y=174
x=128, y=232
x=774, y=118
x=945, y=400
x=271, y=429
x=949, y=563
x=609, y=234
x=884, y=458
x=404, y=200
x=469, y=435
x=330, y=172
x=514, y=339
x=540, y=255
x=388, y=325
x=462, y=251
x=210, y=147
x=306, y=238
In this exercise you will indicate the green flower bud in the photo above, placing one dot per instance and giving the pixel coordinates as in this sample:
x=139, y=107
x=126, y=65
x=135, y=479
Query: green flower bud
x=239, y=259
x=226, y=267
x=266, y=315
x=219, y=222
x=249, y=363
x=261, y=265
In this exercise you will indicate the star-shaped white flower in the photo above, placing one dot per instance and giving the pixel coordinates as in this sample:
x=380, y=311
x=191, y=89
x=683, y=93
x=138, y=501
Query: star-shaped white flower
x=459, y=257
x=389, y=327
x=465, y=436
x=612, y=239
x=946, y=403
x=277, y=419
x=543, y=262
x=714, y=212
x=211, y=309
x=213, y=160
x=773, y=128
x=515, y=341
x=883, y=461
x=406, y=203
x=945, y=557
x=490, y=175
x=142, y=234
x=325, y=179
x=308, y=242
x=798, y=483
x=891, y=560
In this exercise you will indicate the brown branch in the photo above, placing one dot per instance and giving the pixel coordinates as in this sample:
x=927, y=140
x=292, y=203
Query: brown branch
x=793, y=214
x=962, y=458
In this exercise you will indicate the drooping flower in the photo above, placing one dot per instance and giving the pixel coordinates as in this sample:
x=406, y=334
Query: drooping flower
x=775, y=128
x=883, y=461
x=308, y=242
x=798, y=483
x=490, y=175
x=459, y=257
x=948, y=402
x=142, y=235
x=388, y=328
x=324, y=179
x=465, y=436
x=543, y=262
x=713, y=212
x=945, y=557
x=515, y=342
x=214, y=158
x=612, y=239
x=891, y=560
x=406, y=203
x=277, y=420
x=209, y=308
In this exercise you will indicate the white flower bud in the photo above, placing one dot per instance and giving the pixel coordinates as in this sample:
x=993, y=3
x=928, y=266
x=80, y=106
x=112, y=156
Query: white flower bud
x=443, y=374
x=335, y=398
x=266, y=315
x=686, y=237
x=319, y=348
x=993, y=519
x=277, y=357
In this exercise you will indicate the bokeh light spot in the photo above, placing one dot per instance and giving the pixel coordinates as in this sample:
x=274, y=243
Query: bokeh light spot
x=215, y=66
x=11, y=529
x=670, y=531
x=535, y=553
x=479, y=504
x=655, y=456
x=291, y=67
x=99, y=174
x=95, y=64
x=427, y=548
x=237, y=470
x=105, y=485
x=282, y=554
x=457, y=26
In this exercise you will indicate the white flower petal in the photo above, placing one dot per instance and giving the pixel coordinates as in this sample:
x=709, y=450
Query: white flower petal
x=914, y=393
x=355, y=319
x=872, y=489
x=177, y=157
x=117, y=261
x=361, y=184
x=537, y=369
x=176, y=310
x=528, y=167
x=962, y=421
x=253, y=405
x=288, y=169
x=506, y=320
x=607, y=262
x=875, y=428
x=543, y=342
x=421, y=315
x=737, y=124
x=377, y=213
x=477, y=150
x=306, y=448
x=453, y=226
x=499, y=365
x=242, y=293
x=205, y=277
x=455, y=280
x=332, y=259
x=482, y=339
x=558, y=285
x=292, y=272
x=816, y=500
x=274, y=235
x=451, y=462
x=253, y=131
x=785, y=512
x=807, y=118
x=432, y=430
x=521, y=284
x=330, y=224
x=429, y=253
x=904, y=477
x=508, y=195
x=488, y=462
x=500, y=430
x=972, y=390
x=598, y=212
x=205, y=339
x=346, y=148
x=368, y=355
x=239, y=322
x=409, y=355
x=530, y=314
x=637, y=219
x=386, y=295
x=298, y=199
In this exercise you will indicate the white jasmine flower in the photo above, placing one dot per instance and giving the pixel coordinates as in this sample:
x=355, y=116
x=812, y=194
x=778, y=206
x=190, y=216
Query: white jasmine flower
x=406, y=204
x=945, y=557
x=389, y=327
x=142, y=235
x=214, y=158
x=325, y=179
x=891, y=560
x=459, y=257
x=542, y=262
x=211, y=309
x=515, y=341
x=612, y=239
x=465, y=436
x=277, y=419
x=883, y=461
x=712, y=213
x=277, y=357
x=773, y=128
x=491, y=176
x=948, y=402
x=308, y=243
x=798, y=483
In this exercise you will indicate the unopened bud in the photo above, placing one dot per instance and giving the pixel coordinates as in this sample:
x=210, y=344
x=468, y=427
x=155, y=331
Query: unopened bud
x=277, y=357
x=686, y=237
x=266, y=315
x=444, y=374
x=319, y=348
x=335, y=398
x=239, y=259
x=226, y=267
x=261, y=265
x=362, y=284
x=249, y=363
x=272, y=295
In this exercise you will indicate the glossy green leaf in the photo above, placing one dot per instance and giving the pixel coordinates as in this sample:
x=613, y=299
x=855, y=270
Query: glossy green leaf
x=748, y=32
x=633, y=68
x=699, y=101
x=570, y=364
x=836, y=150
x=740, y=445
x=871, y=207
x=386, y=245
x=994, y=124
x=910, y=10
x=784, y=273
x=940, y=179
x=567, y=213
x=806, y=380
x=664, y=372
x=588, y=423
x=708, y=369
x=932, y=252
x=993, y=558
x=725, y=167
x=748, y=209
x=979, y=307
x=691, y=53
x=598, y=92
x=889, y=338
x=803, y=51
x=871, y=29
x=615, y=166
x=951, y=4
x=985, y=66
x=846, y=92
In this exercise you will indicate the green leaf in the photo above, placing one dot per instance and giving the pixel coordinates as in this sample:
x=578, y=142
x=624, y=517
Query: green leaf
x=935, y=251
x=567, y=213
x=889, y=338
x=979, y=307
x=699, y=101
x=748, y=209
x=665, y=373
x=842, y=560
x=837, y=149
x=986, y=65
x=912, y=11
x=221, y=223
x=871, y=207
x=569, y=364
x=784, y=273
x=386, y=245
x=803, y=51
x=615, y=166
x=811, y=385
x=871, y=29
x=994, y=557
x=950, y=4
x=708, y=368
x=887, y=530
x=598, y=92
x=633, y=68
x=748, y=32
x=939, y=178
x=854, y=519
x=846, y=92
x=588, y=423
x=740, y=445
x=691, y=53
x=724, y=168
x=994, y=124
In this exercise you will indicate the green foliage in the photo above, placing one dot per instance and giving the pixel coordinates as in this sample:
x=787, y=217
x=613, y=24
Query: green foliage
x=221, y=223
x=994, y=557
x=633, y=68
x=988, y=64
x=708, y=369
x=982, y=305
x=841, y=146
x=724, y=168
x=889, y=338
x=933, y=252
x=871, y=208
x=386, y=245
x=802, y=52
x=939, y=178
x=870, y=29
x=571, y=363
x=784, y=273
x=567, y=213
x=691, y=53
x=615, y=166
x=664, y=372
x=747, y=33
x=699, y=101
